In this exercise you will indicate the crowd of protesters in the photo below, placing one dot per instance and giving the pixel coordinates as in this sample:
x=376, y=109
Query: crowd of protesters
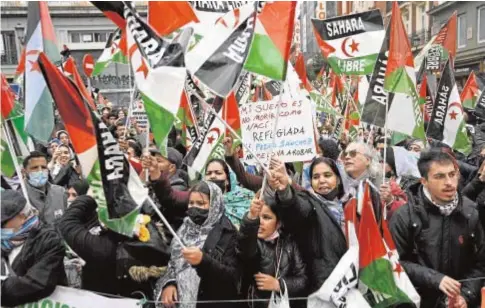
x=246, y=234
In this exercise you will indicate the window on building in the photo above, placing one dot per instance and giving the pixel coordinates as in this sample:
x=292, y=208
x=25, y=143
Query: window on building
x=422, y=11
x=8, y=48
x=461, y=31
x=88, y=36
x=481, y=25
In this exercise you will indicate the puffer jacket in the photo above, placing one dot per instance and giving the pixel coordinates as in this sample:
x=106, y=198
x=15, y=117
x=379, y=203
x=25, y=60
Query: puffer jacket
x=260, y=256
x=38, y=268
x=316, y=231
x=432, y=246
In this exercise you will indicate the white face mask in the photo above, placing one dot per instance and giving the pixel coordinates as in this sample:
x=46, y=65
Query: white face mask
x=38, y=178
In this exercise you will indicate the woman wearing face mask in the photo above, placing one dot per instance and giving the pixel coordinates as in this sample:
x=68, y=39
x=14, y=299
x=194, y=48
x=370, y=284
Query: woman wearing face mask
x=236, y=199
x=61, y=168
x=206, y=269
x=271, y=259
x=315, y=217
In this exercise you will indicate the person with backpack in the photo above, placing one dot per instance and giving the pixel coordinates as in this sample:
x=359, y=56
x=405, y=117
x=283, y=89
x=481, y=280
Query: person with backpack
x=439, y=236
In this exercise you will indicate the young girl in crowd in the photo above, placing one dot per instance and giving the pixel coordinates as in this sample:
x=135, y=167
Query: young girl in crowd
x=271, y=260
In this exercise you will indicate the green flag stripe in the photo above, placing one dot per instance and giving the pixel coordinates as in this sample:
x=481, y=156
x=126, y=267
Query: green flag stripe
x=41, y=122
x=265, y=59
x=161, y=120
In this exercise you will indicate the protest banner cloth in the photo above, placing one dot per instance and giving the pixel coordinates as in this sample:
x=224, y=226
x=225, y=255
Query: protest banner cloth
x=294, y=134
x=69, y=298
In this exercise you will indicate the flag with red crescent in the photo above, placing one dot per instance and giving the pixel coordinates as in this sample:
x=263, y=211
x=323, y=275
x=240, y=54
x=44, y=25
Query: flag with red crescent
x=447, y=122
x=350, y=43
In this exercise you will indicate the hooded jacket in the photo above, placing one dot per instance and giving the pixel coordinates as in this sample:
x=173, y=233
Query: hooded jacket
x=38, y=268
x=431, y=246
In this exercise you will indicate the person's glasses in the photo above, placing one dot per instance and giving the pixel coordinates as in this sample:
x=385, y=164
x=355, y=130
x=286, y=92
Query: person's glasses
x=351, y=153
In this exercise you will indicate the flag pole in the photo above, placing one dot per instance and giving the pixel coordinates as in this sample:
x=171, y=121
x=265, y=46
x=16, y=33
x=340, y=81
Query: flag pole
x=233, y=132
x=385, y=143
x=169, y=227
x=273, y=143
x=6, y=132
x=130, y=109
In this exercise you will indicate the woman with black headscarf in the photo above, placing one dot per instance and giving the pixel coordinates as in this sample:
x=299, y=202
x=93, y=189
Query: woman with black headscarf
x=206, y=268
x=315, y=217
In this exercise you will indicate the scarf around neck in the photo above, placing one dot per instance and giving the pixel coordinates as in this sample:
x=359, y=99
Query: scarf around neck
x=445, y=209
x=192, y=235
x=16, y=239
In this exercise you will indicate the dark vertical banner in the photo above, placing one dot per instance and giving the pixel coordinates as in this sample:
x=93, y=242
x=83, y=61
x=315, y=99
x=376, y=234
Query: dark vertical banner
x=480, y=107
x=374, y=111
x=436, y=125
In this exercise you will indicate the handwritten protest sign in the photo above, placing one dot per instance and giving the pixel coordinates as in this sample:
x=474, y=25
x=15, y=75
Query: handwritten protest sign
x=139, y=114
x=69, y=298
x=294, y=134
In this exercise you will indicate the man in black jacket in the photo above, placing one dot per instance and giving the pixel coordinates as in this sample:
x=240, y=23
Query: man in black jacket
x=439, y=236
x=32, y=253
x=113, y=261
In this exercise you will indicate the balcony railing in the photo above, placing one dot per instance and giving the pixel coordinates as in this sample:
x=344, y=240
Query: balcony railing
x=420, y=38
x=9, y=57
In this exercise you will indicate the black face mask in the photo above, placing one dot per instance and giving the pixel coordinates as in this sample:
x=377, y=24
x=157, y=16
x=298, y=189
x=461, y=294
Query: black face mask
x=198, y=215
x=331, y=195
x=221, y=184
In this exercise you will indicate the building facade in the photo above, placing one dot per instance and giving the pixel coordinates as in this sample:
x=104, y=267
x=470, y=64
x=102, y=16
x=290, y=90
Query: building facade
x=80, y=27
x=470, y=35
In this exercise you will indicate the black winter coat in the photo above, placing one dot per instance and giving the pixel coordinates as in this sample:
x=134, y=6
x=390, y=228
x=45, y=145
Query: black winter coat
x=108, y=255
x=432, y=246
x=475, y=191
x=38, y=269
x=317, y=233
x=261, y=256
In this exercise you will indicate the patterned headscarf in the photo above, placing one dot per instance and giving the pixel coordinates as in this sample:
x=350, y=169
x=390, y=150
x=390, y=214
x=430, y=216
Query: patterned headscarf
x=192, y=235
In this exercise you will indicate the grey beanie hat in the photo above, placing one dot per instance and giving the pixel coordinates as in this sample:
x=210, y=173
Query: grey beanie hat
x=13, y=202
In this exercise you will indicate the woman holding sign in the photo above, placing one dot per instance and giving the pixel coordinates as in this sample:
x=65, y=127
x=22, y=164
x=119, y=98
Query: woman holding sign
x=315, y=218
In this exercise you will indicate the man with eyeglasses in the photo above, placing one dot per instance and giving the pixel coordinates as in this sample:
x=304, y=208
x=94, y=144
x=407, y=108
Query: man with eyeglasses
x=439, y=236
x=32, y=253
x=359, y=165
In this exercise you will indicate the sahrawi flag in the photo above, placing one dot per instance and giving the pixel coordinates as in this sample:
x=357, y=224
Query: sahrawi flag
x=426, y=99
x=39, y=114
x=115, y=186
x=447, y=122
x=340, y=288
x=159, y=72
x=186, y=122
x=470, y=92
x=376, y=268
x=480, y=107
x=404, y=114
x=270, y=49
x=209, y=143
x=439, y=49
x=350, y=43
x=217, y=60
x=12, y=120
x=113, y=52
